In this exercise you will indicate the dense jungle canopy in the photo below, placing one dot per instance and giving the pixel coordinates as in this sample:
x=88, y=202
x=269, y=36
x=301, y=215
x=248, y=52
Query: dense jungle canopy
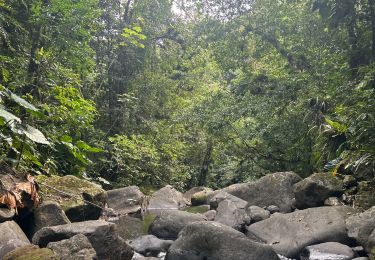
x=187, y=92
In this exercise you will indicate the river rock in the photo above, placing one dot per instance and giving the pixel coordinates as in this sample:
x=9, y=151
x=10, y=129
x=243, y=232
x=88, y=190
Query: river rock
x=75, y=208
x=6, y=214
x=167, y=198
x=31, y=252
x=364, y=198
x=314, y=190
x=272, y=189
x=327, y=251
x=150, y=245
x=232, y=213
x=77, y=247
x=273, y=209
x=190, y=193
x=257, y=214
x=11, y=237
x=102, y=235
x=212, y=240
x=361, y=227
x=289, y=233
x=169, y=223
x=125, y=200
x=49, y=214
x=130, y=227
x=210, y=215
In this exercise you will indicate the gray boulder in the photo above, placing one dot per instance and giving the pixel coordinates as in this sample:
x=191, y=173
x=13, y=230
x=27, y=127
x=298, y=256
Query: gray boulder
x=125, y=200
x=273, y=209
x=257, y=214
x=289, y=233
x=314, y=190
x=169, y=223
x=212, y=240
x=150, y=245
x=49, y=214
x=272, y=189
x=6, y=214
x=11, y=237
x=329, y=250
x=74, y=206
x=130, y=227
x=102, y=235
x=210, y=215
x=231, y=211
x=361, y=227
x=167, y=198
x=77, y=247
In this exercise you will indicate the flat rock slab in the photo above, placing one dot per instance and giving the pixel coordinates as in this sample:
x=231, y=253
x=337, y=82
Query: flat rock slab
x=272, y=189
x=102, y=235
x=289, y=234
x=212, y=240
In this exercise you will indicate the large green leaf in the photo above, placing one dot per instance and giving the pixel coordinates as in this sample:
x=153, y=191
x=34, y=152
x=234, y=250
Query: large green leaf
x=22, y=102
x=35, y=135
x=8, y=116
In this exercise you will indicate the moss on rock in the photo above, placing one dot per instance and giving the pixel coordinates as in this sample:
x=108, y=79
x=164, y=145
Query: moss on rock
x=70, y=192
x=31, y=253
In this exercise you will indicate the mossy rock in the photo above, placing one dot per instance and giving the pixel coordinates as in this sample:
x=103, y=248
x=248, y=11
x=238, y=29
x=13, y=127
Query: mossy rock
x=31, y=253
x=70, y=192
x=202, y=197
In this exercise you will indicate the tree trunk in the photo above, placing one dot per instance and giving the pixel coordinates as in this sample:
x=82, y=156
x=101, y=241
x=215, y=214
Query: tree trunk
x=202, y=180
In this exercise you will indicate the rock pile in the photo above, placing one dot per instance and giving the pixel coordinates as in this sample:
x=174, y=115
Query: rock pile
x=280, y=216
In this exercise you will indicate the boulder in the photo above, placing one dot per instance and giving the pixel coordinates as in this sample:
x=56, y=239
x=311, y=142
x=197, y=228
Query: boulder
x=210, y=215
x=167, y=198
x=289, y=233
x=150, y=245
x=329, y=250
x=169, y=223
x=257, y=214
x=273, y=209
x=11, y=237
x=130, y=227
x=232, y=212
x=102, y=235
x=212, y=240
x=190, y=193
x=77, y=247
x=6, y=214
x=31, y=252
x=272, y=189
x=364, y=198
x=202, y=197
x=361, y=227
x=314, y=190
x=79, y=190
x=125, y=200
x=222, y=195
x=49, y=214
